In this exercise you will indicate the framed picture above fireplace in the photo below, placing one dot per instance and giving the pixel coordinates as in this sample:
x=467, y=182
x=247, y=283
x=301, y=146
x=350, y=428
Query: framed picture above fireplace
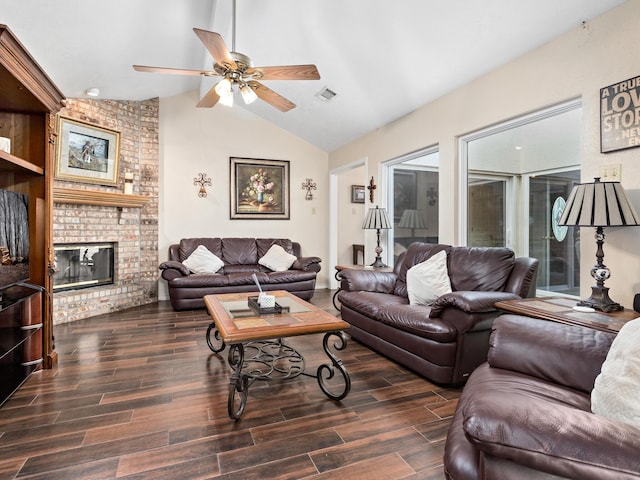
x=87, y=153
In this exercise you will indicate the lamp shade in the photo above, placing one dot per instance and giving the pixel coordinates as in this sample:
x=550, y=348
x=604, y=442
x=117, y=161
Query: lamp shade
x=599, y=204
x=376, y=219
x=411, y=219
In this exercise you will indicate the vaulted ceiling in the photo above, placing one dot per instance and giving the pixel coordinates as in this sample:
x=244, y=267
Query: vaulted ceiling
x=383, y=59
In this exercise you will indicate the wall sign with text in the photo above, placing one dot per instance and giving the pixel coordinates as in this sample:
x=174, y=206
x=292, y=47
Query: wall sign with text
x=620, y=115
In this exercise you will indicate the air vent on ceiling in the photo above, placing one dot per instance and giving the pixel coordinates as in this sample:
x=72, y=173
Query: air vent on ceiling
x=326, y=94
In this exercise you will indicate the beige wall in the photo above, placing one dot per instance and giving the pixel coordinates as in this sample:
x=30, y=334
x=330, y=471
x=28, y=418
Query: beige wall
x=576, y=64
x=201, y=140
x=350, y=215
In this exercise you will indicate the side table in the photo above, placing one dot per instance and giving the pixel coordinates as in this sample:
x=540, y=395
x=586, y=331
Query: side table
x=560, y=309
x=340, y=268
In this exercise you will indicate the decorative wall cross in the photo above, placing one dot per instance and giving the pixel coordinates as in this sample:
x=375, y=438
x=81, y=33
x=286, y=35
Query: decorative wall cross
x=309, y=185
x=372, y=187
x=202, y=180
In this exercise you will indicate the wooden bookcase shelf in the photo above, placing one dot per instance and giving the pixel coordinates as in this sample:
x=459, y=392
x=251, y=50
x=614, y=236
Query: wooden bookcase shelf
x=9, y=162
x=94, y=197
x=29, y=102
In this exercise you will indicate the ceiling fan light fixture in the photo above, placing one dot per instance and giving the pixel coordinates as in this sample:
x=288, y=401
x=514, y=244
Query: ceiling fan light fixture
x=227, y=100
x=248, y=95
x=93, y=91
x=223, y=88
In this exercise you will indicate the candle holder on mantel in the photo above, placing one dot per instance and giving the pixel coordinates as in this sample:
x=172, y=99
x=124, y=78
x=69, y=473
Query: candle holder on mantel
x=128, y=183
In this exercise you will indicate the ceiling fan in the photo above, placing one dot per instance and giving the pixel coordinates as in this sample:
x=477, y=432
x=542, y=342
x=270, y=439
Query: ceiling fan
x=237, y=70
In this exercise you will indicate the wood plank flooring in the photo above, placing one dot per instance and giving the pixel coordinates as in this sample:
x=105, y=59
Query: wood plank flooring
x=138, y=395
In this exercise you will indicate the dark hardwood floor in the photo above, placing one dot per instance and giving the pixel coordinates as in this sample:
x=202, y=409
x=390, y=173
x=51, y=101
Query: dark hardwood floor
x=138, y=395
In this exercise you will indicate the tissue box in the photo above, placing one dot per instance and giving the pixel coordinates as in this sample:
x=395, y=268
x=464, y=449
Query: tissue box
x=255, y=305
x=266, y=301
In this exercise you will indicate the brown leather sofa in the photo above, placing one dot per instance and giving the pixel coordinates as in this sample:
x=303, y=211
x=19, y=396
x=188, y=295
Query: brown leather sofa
x=526, y=413
x=446, y=341
x=240, y=257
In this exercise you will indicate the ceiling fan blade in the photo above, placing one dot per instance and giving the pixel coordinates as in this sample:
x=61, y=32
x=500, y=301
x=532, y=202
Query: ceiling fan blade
x=285, y=72
x=174, y=71
x=272, y=98
x=216, y=46
x=209, y=100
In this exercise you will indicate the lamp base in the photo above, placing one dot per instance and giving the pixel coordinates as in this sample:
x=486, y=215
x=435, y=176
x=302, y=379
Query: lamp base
x=378, y=263
x=600, y=300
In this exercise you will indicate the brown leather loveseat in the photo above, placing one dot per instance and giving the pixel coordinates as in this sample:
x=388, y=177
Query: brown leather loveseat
x=526, y=413
x=240, y=257
x=446, y=341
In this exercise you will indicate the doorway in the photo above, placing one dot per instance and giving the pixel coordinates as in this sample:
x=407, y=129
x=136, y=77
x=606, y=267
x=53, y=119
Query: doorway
x=555, y=246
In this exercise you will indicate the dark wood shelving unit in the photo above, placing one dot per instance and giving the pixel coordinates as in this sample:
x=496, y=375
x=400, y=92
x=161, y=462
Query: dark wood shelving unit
x=20, y=336
x=29, y=102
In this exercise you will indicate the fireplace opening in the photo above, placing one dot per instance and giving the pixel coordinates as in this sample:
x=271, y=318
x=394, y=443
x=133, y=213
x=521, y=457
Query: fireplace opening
x=83, y=265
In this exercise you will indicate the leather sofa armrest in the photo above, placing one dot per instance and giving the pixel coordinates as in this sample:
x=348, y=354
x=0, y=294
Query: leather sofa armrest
x=469, y=301
x=172, y=269
x=550, y=437
x=308, y=264
x=367, y=280
x=564, y=354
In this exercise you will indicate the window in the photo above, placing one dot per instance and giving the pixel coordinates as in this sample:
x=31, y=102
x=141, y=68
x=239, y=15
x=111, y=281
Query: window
x=413, y=199
x=515, y=174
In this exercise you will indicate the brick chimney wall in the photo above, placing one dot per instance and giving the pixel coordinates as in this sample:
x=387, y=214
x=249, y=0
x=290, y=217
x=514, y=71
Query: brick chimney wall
x=134, y=229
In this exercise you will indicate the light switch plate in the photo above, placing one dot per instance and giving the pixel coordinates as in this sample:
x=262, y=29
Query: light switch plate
x=611, y=173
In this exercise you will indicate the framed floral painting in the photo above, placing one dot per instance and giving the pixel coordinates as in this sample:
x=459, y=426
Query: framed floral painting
x=259, y=189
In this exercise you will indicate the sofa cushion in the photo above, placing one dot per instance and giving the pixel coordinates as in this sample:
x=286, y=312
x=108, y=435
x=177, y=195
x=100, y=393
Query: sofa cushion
x=415, y=319
x=200, y=281
x=246, y=278
x=617, y=387
x=239, y=251
x=251, y=268
x=264, y=244
x=368, y=303
x=277, y=259
x=428, y=280
x=188, y=245
x=415, y=254
x=202, y=260
x=480, y=268
x=290, y=276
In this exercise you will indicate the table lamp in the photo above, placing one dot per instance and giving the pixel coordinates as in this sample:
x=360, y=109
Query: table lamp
x=411, y=219
x=377, y=219
x=599, y=204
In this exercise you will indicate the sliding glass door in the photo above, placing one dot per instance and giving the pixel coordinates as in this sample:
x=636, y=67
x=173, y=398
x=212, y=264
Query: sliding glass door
x=518, y=175
x=556, y=247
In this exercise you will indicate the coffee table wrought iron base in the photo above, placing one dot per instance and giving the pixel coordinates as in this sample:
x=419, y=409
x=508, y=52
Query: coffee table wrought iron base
x=275, y=360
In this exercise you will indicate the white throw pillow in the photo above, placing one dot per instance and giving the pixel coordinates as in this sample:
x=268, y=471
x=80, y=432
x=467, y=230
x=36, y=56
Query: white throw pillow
x=277, y=259
x=428, y=280
x=202, y=260
x=617, y=387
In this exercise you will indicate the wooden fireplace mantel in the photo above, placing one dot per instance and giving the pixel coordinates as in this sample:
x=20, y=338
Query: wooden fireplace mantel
x=95, y=197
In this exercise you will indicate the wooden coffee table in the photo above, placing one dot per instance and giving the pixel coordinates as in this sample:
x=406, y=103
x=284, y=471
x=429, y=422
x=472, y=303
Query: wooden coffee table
x=257, y=350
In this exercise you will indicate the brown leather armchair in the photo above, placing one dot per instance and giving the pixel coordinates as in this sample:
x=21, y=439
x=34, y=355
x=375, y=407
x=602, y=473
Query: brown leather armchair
x=526, y=413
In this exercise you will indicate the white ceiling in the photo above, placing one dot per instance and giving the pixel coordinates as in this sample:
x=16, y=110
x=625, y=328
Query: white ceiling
x=384, y=59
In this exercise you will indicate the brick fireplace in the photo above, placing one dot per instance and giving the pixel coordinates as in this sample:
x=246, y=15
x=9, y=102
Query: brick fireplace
x=132, y=227
x=83, y=265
